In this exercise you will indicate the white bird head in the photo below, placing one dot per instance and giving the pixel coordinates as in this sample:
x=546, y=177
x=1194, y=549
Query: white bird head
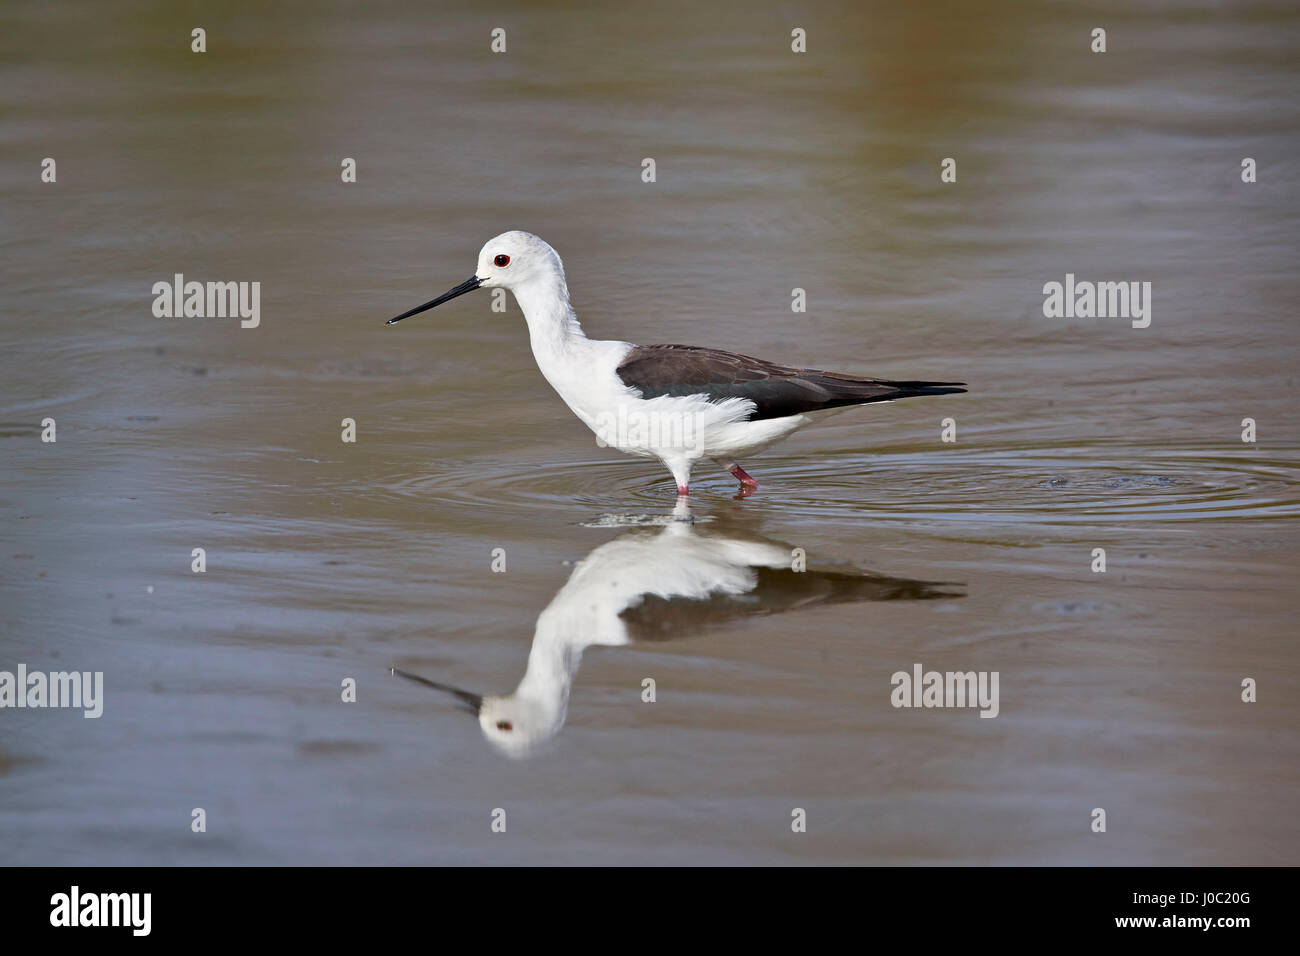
x=517, y=725
x=512, y=260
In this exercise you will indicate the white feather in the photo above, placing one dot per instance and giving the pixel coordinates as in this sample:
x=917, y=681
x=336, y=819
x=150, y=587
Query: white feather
x=679, y=431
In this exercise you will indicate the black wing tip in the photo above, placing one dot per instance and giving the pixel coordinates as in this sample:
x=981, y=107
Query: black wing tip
x=915, y=389
x=922, y=384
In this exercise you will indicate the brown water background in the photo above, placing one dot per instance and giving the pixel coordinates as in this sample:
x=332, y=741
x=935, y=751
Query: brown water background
x=775, y=170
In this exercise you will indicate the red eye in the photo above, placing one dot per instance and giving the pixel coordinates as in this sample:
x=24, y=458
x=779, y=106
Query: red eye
x=504, y=724
x=502, y=260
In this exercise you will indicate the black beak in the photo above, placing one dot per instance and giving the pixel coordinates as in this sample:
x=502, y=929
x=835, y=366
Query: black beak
x=466, y=701
x=469, y=285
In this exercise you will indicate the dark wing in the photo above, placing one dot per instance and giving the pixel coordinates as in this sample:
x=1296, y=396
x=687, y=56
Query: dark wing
x=776, y=390
x=776, y=591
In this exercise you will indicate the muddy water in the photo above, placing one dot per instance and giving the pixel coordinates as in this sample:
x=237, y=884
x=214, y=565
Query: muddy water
x=325, y=560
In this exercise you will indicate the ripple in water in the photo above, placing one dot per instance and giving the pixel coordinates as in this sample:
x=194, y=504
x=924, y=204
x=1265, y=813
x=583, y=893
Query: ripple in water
x=1055, y=488
x=1062, y=486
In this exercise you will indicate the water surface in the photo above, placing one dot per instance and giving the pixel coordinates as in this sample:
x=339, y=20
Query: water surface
x=819, y=171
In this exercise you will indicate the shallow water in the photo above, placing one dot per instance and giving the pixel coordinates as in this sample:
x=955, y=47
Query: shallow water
x=328, y=560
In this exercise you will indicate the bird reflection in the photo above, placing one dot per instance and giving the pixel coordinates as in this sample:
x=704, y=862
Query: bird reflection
x=657, y=583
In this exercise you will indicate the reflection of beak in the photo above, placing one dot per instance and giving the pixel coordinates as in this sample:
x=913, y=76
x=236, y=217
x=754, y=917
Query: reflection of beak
x=469, y=285
x=466, y=701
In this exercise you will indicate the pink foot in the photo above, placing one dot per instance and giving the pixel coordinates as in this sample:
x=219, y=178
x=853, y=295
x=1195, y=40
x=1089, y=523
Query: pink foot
x=747, y=483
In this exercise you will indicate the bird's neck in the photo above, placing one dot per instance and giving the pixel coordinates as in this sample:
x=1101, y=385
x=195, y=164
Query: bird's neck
x=552, y=326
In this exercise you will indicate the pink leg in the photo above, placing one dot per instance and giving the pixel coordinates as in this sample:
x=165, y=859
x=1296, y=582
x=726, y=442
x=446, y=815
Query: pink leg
x=747, y=483
x=683, y=491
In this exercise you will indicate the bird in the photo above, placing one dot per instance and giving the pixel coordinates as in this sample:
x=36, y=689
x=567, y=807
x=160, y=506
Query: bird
x=677, y=403
x=663, y=580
